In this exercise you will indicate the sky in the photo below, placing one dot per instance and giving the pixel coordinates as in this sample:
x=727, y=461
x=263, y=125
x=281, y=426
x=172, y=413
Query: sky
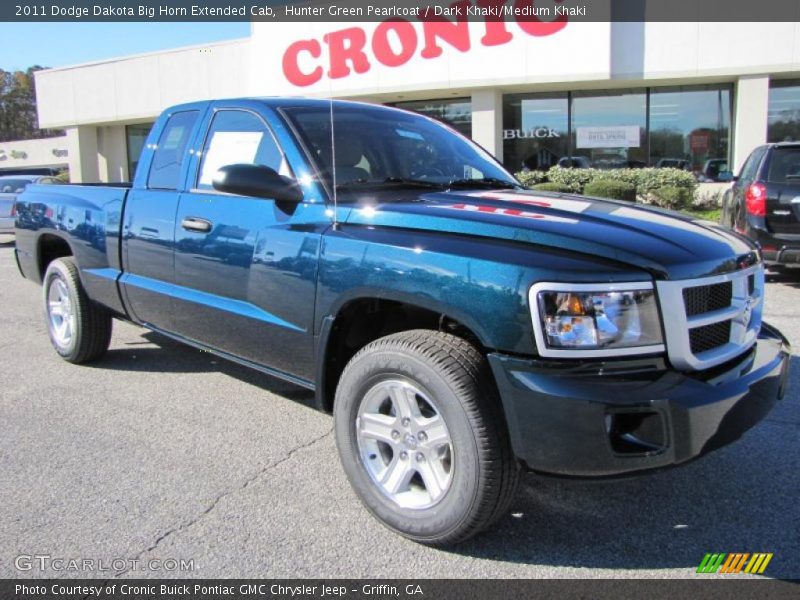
x=61, y=44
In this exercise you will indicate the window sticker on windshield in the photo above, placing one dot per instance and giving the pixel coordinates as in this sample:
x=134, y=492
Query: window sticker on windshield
x=409, y=134
x=229, y=148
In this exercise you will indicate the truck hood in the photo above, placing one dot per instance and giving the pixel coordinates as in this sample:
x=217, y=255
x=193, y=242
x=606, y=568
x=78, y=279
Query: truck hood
x=668, y=244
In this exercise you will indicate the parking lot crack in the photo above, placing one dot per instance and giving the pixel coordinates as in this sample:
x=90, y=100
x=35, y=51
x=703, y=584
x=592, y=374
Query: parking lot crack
x=196, y=519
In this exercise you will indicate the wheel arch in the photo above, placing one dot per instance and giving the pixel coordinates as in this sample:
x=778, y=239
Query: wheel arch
x=360, y=320
x=49, y=247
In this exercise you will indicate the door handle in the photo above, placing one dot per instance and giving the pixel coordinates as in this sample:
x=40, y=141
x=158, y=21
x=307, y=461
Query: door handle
x=196, y=224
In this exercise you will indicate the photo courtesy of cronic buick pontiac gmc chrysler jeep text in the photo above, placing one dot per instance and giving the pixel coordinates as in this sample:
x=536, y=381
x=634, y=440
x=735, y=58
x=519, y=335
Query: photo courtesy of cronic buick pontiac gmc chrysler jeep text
x=458, y=327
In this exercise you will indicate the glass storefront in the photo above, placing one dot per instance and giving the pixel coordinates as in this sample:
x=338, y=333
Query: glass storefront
x=687, y=127
x=609, y=129
x=535, y=130
x=135, y=137
x=690, y=129
x=456, y=112
x=783, y=121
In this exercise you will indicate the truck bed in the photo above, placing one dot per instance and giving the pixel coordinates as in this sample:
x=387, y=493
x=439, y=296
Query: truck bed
x=88, y=218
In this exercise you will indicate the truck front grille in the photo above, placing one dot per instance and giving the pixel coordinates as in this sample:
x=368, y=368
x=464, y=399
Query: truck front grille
x=708, y=337
x=711, y=320
x=707, y=298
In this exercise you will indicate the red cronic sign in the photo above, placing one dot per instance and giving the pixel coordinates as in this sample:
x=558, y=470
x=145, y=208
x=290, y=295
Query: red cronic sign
x=355, y=50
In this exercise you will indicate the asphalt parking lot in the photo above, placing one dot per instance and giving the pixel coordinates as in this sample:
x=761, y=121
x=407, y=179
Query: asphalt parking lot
x=160, y=451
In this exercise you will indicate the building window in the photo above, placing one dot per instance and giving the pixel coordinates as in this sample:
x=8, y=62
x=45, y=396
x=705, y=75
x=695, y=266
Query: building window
x=535, y=130
x=690, y=129
x=686, y=127
x=136, y=136
x=609, y=129
x=456, y=112
x=784, y=111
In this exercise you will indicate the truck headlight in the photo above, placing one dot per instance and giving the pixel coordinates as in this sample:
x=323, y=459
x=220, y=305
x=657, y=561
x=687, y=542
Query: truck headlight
x=595, y=320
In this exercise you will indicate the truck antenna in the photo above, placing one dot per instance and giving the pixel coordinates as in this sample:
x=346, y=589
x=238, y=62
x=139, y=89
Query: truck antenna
x=333, y=166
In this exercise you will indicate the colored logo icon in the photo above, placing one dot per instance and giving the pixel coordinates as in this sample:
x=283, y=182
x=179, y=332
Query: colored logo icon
x=735, y=562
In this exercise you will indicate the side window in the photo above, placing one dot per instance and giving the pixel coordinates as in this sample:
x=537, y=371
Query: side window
x=168, y=159
x=751, y=164
x=237, y=137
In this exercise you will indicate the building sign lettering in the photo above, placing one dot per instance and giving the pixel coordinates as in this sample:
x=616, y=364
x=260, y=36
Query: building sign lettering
x=535, y=133
x=395, y=41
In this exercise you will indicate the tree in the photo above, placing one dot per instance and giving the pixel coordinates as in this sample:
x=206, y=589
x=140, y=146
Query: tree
x=18, y=119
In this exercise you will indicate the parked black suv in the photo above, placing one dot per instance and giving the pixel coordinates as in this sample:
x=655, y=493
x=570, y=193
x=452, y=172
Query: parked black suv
x=764, y=202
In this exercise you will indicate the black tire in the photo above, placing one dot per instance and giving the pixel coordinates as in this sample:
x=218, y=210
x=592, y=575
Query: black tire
x=454, y=374
x=90, y=323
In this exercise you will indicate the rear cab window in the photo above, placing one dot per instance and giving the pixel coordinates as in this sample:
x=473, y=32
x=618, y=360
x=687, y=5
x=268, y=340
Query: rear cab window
x=13, y=186
x=170, y=153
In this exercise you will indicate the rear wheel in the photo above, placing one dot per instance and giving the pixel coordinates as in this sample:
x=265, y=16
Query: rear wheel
x=422, y=438
x=79, y=329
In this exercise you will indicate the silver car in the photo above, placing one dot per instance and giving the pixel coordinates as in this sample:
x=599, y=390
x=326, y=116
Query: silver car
x=10, y=187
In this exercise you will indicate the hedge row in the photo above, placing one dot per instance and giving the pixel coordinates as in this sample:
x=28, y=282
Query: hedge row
x=670, y=188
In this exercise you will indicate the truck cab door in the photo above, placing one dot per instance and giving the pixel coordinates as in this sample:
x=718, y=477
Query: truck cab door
x=148, y=227
x=246, y=268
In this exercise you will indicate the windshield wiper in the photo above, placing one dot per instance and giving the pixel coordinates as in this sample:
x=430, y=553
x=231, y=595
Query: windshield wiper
x=414, y=182
x=484, y=182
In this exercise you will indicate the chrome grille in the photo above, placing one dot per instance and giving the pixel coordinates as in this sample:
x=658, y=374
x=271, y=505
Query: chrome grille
x=711, y=320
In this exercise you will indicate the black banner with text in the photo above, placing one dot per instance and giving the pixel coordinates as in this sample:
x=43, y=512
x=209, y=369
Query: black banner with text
x=351, y=589
x=360, y=10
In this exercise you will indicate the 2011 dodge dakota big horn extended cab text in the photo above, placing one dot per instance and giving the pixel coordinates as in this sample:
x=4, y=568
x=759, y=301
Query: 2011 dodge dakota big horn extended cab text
x=456, y=325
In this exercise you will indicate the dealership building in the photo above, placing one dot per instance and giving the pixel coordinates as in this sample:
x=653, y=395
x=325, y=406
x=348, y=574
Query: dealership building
x=696, y=95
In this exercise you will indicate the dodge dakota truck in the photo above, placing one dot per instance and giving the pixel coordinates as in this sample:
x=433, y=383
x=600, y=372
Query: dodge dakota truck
x=458, y=327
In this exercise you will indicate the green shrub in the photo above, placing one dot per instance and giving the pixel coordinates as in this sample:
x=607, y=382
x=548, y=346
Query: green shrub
x=611, y=188
x=671, y=196
x=531, y=178
x=650, y=179
x=551, y=186
x=573, y=179
x=645, y=181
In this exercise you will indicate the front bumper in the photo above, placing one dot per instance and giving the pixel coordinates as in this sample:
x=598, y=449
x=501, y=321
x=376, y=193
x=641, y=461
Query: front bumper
x=574, y=422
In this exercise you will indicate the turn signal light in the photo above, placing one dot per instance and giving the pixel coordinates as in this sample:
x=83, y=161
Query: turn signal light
x=755, y=199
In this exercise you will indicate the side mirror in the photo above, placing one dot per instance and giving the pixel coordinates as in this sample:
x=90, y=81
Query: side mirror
x=725, y=176
x=258, y=181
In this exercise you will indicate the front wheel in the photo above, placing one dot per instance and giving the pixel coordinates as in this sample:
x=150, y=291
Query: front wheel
x=79, y=329
x=422, y=438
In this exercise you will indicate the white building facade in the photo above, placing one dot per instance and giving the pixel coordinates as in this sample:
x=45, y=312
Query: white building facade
x=699, y=96
x=27, y=155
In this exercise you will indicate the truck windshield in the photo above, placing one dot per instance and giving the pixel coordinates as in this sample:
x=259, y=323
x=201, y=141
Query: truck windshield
x=379, y=146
